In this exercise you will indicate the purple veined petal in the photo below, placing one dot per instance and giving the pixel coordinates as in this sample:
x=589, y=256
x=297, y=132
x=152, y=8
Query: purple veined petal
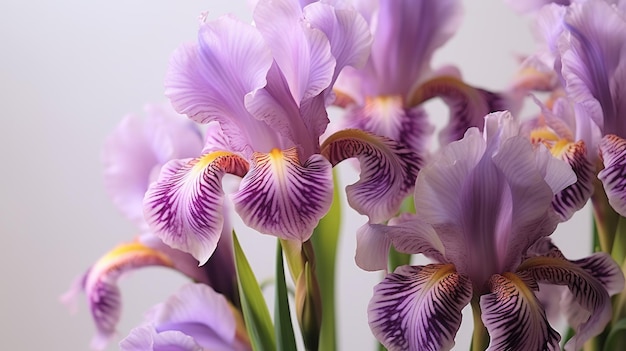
x=593, y=61
x=406, y=34
x=587, y=281
x=282, y=197
x=347, y=31
x=137, y=148
x=575, y=196
x=468, y=105
x=301, y=52
x=208, y=81
x=513, y=316
x=387, y=116
x=100, y=285
x=419, y=307
x=388, y=171
x=372, y=247
x=613, y=150
x=184, y=206
x=215, y=139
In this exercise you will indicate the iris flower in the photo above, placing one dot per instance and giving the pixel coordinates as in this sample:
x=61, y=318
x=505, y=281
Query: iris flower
x=196, y=318
x=267, y=86
x=485, y=208
x=133, y=155
x=385, y=96
x=587, y=44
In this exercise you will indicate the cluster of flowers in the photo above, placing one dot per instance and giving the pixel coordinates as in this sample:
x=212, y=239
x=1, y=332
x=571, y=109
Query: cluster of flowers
x=484, y=205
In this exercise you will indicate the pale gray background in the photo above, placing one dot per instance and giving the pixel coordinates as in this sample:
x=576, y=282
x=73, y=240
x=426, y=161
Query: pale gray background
x=70, y=69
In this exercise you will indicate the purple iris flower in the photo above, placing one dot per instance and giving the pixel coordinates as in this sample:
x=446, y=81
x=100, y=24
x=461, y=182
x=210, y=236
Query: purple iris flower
x=196, y=318
x=385, y=96
x=133, y=155
x=267, y=86
x=586, y=46
x=486, y=208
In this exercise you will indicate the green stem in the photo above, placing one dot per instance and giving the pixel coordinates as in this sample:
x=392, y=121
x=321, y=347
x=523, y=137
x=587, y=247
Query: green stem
x=480, y=338
x=606, y=219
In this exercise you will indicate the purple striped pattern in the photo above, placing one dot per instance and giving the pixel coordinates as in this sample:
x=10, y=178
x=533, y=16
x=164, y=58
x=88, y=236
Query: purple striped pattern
x=575, y=196
x=281, y=197
x=184, y=206
x=613, y=176
x=419, y=307
x=388, y=171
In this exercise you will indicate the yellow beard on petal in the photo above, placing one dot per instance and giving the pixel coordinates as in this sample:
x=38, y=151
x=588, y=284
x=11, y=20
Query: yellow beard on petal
x=557, y=145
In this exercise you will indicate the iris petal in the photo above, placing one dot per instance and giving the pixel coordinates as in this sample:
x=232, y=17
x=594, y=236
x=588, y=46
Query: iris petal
x=281, y=197
x=468, y=105
x=575, y=196
x=419, y=307
x=184, y=206
x=588, y=294
x=613, y=149
x=388, y=171
x=100, y=284
x=514, y=317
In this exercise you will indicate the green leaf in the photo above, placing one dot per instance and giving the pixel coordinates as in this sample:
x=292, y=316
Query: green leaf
x=255, y=313
x=324, y=239
x=616, y=340
x=283, y=328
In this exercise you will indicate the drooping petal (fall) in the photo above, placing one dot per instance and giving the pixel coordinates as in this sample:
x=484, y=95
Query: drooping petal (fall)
x=100, y=285
x=468, y=105
x=282, y=197
x=195, y=313
x=388, y=171
x=184, y=206
x=137, y=148
x=514, y=317
x=419, y=308
x=590, y=282
x=613, y=150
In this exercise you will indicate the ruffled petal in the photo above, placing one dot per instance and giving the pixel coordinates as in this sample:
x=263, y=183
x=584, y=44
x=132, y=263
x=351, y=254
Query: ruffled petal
x=587, y=281
x=468, y=105
x=514, y=317
x=613, y=150
x=137, y=148
x=419, y=308
x=409, y=234
x=347, y=31
x=184, y=206
x=302, y=53
x=282, y=197
x=208, y=81
x=388, y=171
x=406, y=34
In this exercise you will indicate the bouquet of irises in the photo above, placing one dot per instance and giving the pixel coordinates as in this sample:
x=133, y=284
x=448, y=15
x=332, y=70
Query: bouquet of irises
x=252, y=101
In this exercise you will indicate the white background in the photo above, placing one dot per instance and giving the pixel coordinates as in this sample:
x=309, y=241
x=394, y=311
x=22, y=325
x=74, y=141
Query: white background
x=69, y=71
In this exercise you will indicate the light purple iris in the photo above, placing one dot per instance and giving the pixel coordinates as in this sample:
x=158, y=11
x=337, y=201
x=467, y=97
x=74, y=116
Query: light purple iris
x=485, y=208
x=586, y=42
x=385, y=96
x=267, y=86
x=196, y=318
x=133, y=155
